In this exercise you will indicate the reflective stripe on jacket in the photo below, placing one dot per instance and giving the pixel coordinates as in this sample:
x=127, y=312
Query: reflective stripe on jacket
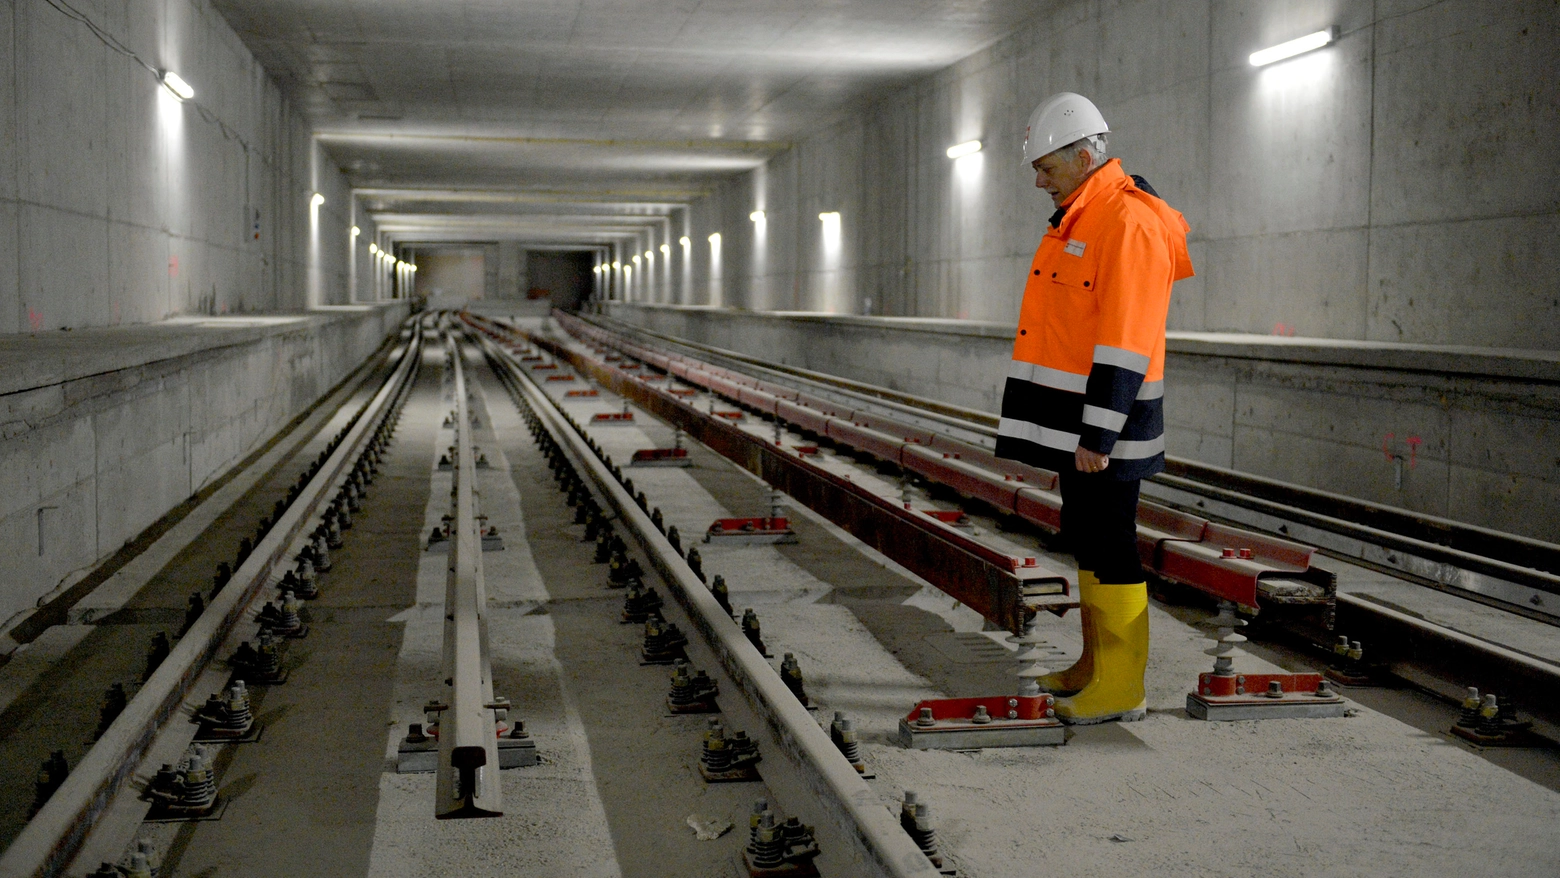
x=1088, y=361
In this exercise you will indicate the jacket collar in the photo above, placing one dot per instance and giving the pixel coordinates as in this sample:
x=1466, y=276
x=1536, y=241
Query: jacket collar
x=1107, y=178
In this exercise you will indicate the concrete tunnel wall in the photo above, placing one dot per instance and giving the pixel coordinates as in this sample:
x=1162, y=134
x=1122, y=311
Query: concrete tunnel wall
x=119, y=204
x=99, y=442
x=1396, y=186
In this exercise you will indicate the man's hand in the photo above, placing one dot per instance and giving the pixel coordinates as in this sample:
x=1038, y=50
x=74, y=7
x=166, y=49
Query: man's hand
x=1090, y=461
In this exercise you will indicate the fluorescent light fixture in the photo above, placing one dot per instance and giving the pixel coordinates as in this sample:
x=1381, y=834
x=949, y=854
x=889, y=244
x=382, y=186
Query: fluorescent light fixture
x=412, y=267
x=316, y=199
x=176, y=85
x=715, y=239
x=756, y=216
x=685, y=241
x=636, y=258
x=649, y=254
x=832, y=236
x=356, y=231
x=1294, y=47
x=831, y=232
x=616, y=264
x=372, y=247
x=960, y=150
x=666, y=249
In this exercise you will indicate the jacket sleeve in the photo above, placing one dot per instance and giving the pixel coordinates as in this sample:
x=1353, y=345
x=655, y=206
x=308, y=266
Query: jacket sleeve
x=1133, y=289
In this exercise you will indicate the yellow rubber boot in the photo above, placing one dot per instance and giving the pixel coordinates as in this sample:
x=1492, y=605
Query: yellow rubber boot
x=1072, y=679
x=1114, y=690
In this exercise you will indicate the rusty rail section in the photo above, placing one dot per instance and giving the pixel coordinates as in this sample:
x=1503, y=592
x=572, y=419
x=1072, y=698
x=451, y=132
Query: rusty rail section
x=1228, y=563
x=1514, y=573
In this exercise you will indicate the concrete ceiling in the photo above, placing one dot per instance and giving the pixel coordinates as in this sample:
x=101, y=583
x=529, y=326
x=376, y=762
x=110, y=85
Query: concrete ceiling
x=578, y=120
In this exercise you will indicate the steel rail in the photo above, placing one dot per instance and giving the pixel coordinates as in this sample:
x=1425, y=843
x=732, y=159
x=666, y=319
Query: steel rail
x=1515, y=553
x=881, y=846
x=49, y=842
x=1526, y=592
x=468, y=782
x=951, y=415
x=1400, y=632
x=1486, y=565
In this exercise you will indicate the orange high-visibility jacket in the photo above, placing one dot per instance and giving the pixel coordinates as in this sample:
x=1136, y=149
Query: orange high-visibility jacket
x=1089, y=359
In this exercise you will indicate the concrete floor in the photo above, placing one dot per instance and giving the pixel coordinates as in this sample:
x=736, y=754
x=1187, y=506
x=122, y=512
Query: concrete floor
x=552, y=814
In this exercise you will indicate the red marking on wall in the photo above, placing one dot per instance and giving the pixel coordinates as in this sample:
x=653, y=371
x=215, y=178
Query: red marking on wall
x=35, y=320
x=1284, y=329
x=173, y=266
x=1413, y=443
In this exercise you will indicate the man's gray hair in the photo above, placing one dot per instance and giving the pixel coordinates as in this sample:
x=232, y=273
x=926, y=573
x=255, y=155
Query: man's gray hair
x=1096, y=144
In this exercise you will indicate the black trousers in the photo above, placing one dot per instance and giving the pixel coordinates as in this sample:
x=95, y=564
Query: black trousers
x=1099, y=525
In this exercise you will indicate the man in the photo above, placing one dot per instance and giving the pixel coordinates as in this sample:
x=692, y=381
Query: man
x=1085, y=387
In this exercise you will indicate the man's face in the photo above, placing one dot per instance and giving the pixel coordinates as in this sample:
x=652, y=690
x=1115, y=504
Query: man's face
x=1061, y=175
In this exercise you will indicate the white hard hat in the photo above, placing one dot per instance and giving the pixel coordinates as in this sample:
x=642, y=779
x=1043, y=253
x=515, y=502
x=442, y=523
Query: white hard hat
x=1059, y=120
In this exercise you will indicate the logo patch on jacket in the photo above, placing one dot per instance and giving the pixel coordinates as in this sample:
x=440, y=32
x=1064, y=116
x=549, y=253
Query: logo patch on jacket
x=1074, y=247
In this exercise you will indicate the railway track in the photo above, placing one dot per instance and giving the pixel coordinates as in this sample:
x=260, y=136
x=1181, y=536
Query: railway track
x=150, y=726
x=104, y=797
x=1518, y=574
x=862, y=838
x=1226, y=535
x=860, y=641
x=573, y=414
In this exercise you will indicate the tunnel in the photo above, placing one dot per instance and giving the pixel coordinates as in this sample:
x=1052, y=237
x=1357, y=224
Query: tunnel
x=615, y=438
